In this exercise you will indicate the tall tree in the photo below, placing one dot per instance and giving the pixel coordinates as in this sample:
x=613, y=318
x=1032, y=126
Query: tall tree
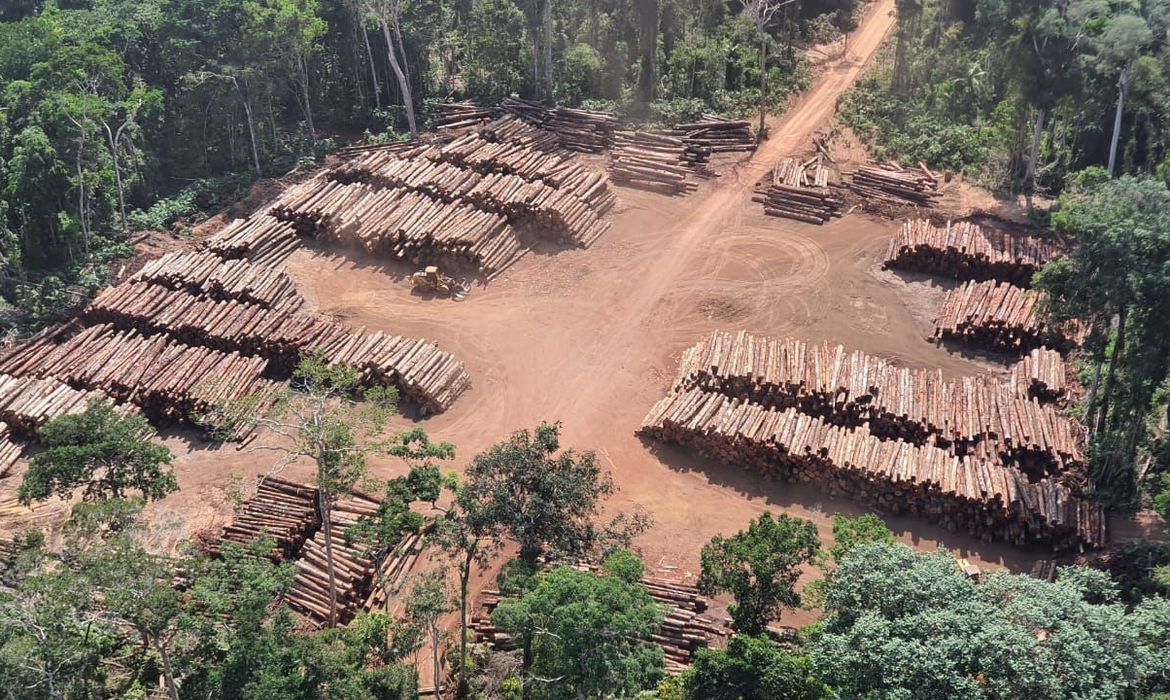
x=428, y=602
x=388, y=15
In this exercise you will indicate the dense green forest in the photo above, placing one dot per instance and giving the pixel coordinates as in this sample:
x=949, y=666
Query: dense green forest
x=120, y=115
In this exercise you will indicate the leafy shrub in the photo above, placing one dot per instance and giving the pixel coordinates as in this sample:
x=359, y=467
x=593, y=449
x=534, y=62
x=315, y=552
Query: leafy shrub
x=199, y=197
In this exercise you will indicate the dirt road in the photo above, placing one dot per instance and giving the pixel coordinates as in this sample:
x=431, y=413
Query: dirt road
x=591, y=338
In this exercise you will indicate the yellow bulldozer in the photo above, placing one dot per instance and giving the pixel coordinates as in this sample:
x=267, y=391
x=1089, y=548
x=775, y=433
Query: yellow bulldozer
x=429, y=279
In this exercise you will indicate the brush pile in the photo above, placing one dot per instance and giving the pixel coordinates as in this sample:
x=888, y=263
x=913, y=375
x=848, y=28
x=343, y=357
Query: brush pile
x=894, y=185
x=973, y=417
x=426, y=375
x=261, y=239
x=282, y=510
x=1041, y=375
x=1002, y=317
x=799, y=190
x=965, y=250
x=991, y=501
x=713, y=134
x=228, y=280
x=651, y=162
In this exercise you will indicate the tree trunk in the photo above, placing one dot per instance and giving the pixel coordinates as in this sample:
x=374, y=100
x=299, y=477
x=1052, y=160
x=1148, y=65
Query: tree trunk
x=1118, y=349
x=546, y=30
x=763, y=78
x=647, y=48
x=403, y=83
x=323, y=504
x=437, y=671
x=1034, y=152
x=118, y=174
x=464, y=581
x=1122, y=89
x=304, y=69
x=167, y=669
x=1091, y=400
x=373, y=68
x=81, y=213
x=251, y=126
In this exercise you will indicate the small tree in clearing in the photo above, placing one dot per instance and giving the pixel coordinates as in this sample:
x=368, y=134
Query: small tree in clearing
x=759, y=567
x=428, y=602
x=327, y=416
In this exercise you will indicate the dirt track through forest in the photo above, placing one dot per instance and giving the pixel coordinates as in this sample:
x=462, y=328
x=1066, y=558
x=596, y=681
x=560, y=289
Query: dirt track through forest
x=591, y=338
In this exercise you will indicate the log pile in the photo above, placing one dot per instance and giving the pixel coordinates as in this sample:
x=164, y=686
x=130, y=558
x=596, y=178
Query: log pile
x=684, y=629
x=10, y=451
x=575, y=129
x=713, y=134
x=262, y=239
x=1000, y=316
x=986, y=500
x=973, y=417
x=424, y=374
x=354, y=564
x=651, y=162
x=964, y=250
x=230, y=280
x=1041, y=375
x=799, y=190
x=452, y=116
x=392, y=573
x=27, y=403
x=165, y=378
x=283, y=510
x=892, y=184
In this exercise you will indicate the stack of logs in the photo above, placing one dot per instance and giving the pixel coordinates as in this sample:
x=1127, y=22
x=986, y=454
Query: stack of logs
x=684, y=629
x=713, y=134
x=27, y=403
x=452, y=116
x=1041, y=375
x=576, y=129
x=964, y=250
x=799, y=190
x=282, y=510
x=1002, y=317
x=973, y=417
x=10, y=451
x=261, y=239
x=231, y=280
x=892, y=184
x=987, y=500
x=865, y=429
x=651, y=162
x=426, y=375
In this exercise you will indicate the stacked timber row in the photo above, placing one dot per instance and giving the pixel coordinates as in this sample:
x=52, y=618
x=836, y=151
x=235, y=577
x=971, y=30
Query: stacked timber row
x=425, y=375
x=892, y=184
x=453, y=116
x=965, y=250
x=165, y=378
x=651, y=162
x=363, y=148
x=713, y=134
x=10, y=451
x=281, y=510
x=960, y=493
x=972, y=417
x=684, y=629
x=1041, y=375
x=576, y=129
x=230, y=280
x=799, y=190
x=27, y=403
x=393, y=572
x=354, y=565
x=1000, y=316
x=401, y=224
x=262, y=239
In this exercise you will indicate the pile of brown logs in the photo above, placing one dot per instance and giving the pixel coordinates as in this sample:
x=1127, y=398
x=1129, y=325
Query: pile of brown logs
x=575, y=129
x=426, y=375
x=967, y=251
x=460, y=115
x=165, y=378
x=651, y=162
x=519, y=133
x=713, y=134
x=27, y=403
x=358, y=149
x=282, y=510
x=262, y=239
x=973, y=417
x=231, y=280
x=354, y=565
x=988, y=500
x=392, y=573
x=684, y=628
x=799, y=190
x=892, y=184
x=1041, y=375
x=10, y=451
x=1000, y=316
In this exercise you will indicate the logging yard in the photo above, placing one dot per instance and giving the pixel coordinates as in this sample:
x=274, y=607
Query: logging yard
x=855, y=344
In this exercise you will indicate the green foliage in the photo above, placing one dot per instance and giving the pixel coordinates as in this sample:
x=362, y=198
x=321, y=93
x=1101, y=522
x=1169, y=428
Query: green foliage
x=585, y=634
x=759, y=567
x=850, y=531
x=751, y=668
x=901, y=624
x=198, y=198
x=102, y=450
